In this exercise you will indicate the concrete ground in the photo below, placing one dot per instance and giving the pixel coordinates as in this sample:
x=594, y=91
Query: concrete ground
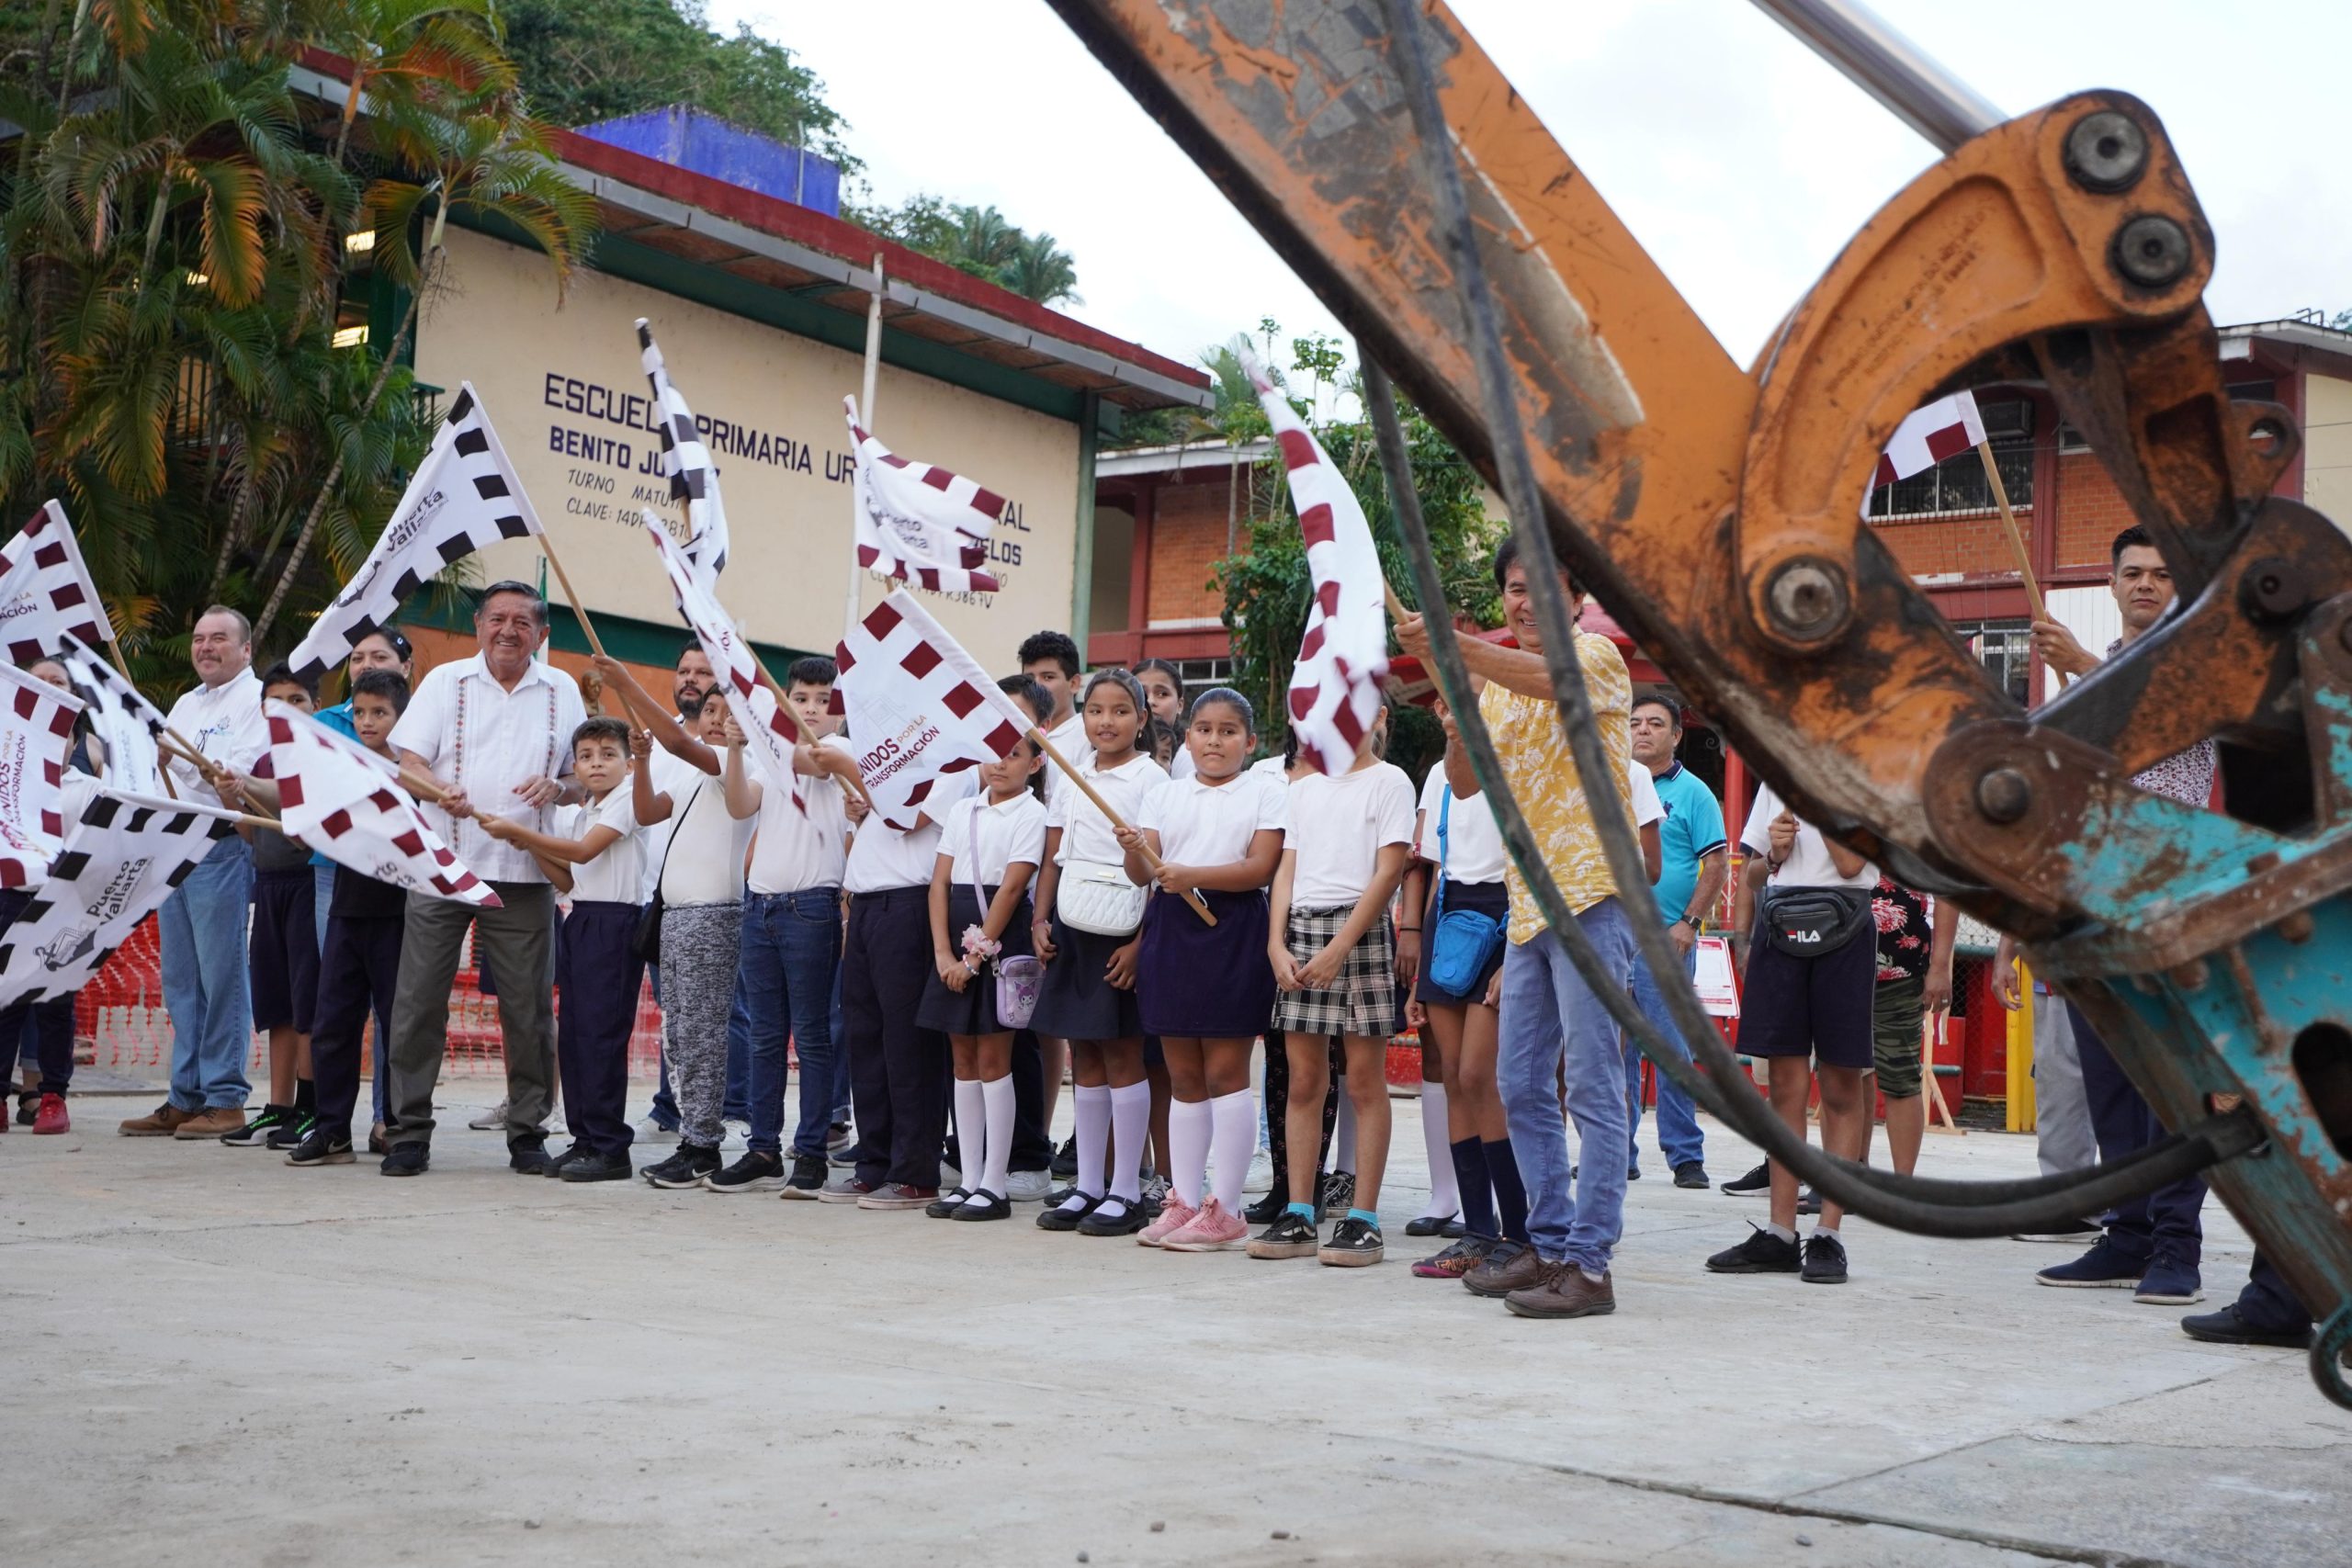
x=217, y=1359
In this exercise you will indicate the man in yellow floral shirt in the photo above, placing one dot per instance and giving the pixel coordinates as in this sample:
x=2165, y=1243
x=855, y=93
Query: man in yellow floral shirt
x=1547, y=1010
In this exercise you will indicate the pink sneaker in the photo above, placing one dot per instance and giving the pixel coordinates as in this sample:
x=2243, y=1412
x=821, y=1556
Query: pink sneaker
x=1212, y=1230
x=1174, y=1216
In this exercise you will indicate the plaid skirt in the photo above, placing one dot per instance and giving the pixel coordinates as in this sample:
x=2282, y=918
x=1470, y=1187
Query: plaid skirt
x=1362, y=1000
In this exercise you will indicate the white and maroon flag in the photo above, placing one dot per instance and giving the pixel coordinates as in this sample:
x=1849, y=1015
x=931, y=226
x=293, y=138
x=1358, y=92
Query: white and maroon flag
x=919, y=522
x=122, y=858
x=126, y=723
x=919, y=706
x=770, y=734
x=685, y=458
x=345, y=802
x=1336, y=686
x=45, y=590
x=36, y=738
x=1945, y=428
x=465, y=495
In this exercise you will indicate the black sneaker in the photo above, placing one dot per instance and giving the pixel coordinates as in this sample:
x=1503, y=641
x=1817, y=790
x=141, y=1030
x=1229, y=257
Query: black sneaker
x=587, y=1164
x=1755, y=1184
x=27, y=1107
x=556, y=1165
x=943, y=1207
x=1339, y=1193
x=1291, y=1236
x=808, y=1178
x=290, y=1135
x=1824, y=1260
x=319, y=1149
x=2229, y=1327
x=1058, y=1218
x=690, y=1164
x=407, y=1160
x=1065, y=1164
x=1761, y=1253
x=255, y=1133
x=1692, y=1174
x=1354, y=1244
x=2082, y=1232
x=528, y=1156
x=758, y=1171
x=1633, y=1173
x=1267, y=1208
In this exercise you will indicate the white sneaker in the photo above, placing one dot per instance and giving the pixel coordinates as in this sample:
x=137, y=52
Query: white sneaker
x=950, y=1176
x=738, y=1135
x=1028, y=1186
x=1262, y=1173
x=649, y=1131
x=490, y=1121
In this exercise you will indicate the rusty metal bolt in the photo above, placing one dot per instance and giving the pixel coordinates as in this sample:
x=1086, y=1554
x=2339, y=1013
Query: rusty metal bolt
x=1807, y=599
x=2271, y=589
x=2106, y=152
x=2188, y=976
x=2297, y=927
x=2152, y=251
x=2003, y=795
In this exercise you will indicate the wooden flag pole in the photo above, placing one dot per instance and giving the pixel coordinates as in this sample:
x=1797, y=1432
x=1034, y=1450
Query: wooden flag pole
x=579, y=610
x=1397, y=611
x=212, y=771
x=1933, y=1031
x=776, y=686
x=2016, y=540
x=1191, y=895
x=122, y=668
x=865, y=412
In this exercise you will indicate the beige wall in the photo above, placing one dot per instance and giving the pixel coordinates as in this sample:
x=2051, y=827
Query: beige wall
x=540, y=370
x=2327, y=447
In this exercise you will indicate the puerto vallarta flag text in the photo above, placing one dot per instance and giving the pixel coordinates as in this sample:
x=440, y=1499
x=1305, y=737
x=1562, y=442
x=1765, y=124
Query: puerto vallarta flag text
x=1945, y=428
x=770, y=734
x=129, y=726
x=45, y=590
x=918, y=706
x=1336, y=686
x=685, y=458
x=919, y=522
x=346, y=802
x=465, y=495
x=36, y=739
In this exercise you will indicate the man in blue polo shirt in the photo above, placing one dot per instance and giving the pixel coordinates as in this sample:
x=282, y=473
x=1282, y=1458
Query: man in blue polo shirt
x=1693, y=863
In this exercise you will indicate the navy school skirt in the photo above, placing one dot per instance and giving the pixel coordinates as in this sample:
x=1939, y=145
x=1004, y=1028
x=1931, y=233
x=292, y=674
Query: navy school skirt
x=1199, y=981
x=1078, y=1002
x=971, y=1012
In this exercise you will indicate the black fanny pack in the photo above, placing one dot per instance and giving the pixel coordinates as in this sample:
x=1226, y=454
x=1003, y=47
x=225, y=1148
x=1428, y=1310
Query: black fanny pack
x=1808, y=922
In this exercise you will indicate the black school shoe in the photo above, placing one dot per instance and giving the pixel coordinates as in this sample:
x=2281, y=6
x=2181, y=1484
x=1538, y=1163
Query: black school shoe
x=317, y=1148
x=1269, y=1208
x=1130, y=1219
x=556, y=1165
x=255, y=1133
x=1753, y=1184
x=808, y=1178
x=1431, y=1224
x=1057, y=1218
x=528, y=1156
x=2228, y=1326
x=1354, y=1244
x=407, y=1160
x=1291, y=1236
x=1824, y=1260
x=1761, y=1253
x=990, y=1206
x=943, y=1207
x=590, y=1166
x=690, y=1165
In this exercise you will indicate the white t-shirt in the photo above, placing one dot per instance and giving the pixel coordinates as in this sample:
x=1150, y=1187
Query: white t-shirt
x=1086, y=832
x=1808, y=864
x=1338, y=826
x=1274, y=768
x=882, y=859
x=491, y=742
x=1180, y=765
x=1647, y=806
x=1474, y=841
x=617, y=877
x=225, y=723
x=1203, y=824
x=1070, y=738
x=705, y=849
x=799, y=849
x=1011, y=833
x=676, y=777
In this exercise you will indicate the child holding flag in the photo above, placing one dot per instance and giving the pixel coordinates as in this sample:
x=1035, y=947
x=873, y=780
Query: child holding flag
x=282, y=956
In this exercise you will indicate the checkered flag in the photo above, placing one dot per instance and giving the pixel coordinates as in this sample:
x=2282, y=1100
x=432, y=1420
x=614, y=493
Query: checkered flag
x=45, y=589
x=916, y=522
x=465, y=496
x=120, y=862
x=769, y=732
x=1336, y=686
x=919, y=707
x=345, y=802
x=126, y=723
x=36, y=738
x=693, y=478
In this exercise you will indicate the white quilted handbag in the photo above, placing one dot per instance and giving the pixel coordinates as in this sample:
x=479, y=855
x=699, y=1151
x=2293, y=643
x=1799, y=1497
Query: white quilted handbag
x=1097, y=896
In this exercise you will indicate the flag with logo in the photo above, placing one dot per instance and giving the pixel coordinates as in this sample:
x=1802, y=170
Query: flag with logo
x=36, y=739
x=1945, y=428
x=919, y=706
x=129, y=726
x=45, y=590
x=920, y=523
x=122, y=857
x=346, y=802
x=770, y=733
x=685, y=458
x=465, y=495
x=1336, y=685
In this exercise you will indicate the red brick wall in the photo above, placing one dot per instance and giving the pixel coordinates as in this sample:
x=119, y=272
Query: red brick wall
x=1187, y=541
x=1974, y=546
x=2091, y=511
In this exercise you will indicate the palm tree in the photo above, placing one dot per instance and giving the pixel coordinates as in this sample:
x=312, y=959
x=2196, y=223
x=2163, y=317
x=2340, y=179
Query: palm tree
x=1040, y=269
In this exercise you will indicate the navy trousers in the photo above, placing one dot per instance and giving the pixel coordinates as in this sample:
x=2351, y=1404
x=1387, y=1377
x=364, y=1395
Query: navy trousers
x=359, y=966
x=53, y=1020
x=598, y=975
x=897, y=1069
x=2167, y=1221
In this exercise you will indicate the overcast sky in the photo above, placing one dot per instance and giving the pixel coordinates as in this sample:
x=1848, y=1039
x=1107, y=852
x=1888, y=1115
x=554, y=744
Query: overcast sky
x=1740, y=161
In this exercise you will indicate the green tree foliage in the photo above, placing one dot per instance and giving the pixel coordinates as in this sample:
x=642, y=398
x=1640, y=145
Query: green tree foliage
x=581, y=61
x=1266, y=584
x=977, y=240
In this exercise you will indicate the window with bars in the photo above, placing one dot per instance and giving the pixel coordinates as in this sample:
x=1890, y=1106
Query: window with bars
x=1958, y=484
x=2006, y=650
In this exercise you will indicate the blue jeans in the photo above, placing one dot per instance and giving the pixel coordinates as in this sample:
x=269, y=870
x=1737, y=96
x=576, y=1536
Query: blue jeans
x=792, y=947
x=1547, y=1012
x=207, y=988
x=841, y=1107
x=1679, y=1138
x=737, y=1105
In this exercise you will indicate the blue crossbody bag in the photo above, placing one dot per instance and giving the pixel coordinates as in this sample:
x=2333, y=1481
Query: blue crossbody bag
x=1463, y=943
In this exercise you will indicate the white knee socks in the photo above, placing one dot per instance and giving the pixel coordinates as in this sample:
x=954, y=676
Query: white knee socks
x=971, y=1131
x=1233, y=1138
x=997, y=1095
x=1188, y=1137
x=1445, y=1196
x=1093, y=1112
x=1130, y=1115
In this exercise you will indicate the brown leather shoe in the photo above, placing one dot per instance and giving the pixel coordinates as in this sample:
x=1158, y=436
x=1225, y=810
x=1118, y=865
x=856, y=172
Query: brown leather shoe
x=1564, y=1292
x=1502, y=1273
x=210, y=1123
x=159, y=1122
